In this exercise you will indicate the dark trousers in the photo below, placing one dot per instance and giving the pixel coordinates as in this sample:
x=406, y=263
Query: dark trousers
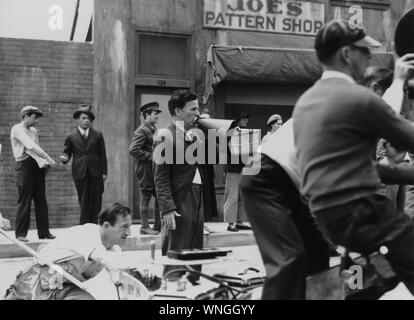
x=144, y=210
x=144, y=173
x=90, y=198
x=30, y=180
x=366, y=224
x=289, y=239
x=188, y=233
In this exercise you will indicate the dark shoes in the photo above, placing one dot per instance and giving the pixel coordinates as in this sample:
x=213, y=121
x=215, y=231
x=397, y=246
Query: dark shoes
x=49, y=237
x=22, y=239
x=241, y=226
x=232, y=228
x=237, y=227
x=149, y=231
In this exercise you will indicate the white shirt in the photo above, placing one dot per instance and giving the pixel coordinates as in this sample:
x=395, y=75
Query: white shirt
x=75, y=246
x=197, y=177
x=84, y=132
x=280, y=147
x=23, y=139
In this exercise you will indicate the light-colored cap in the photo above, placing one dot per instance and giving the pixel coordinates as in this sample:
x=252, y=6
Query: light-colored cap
x=27, y=109
x=273, y=118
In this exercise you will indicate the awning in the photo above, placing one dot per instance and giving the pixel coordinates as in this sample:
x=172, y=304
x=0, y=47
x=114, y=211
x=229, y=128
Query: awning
x=267, y=65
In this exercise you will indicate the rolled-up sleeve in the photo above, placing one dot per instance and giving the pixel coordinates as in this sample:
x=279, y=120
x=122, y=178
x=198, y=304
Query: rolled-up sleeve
x=24, y=139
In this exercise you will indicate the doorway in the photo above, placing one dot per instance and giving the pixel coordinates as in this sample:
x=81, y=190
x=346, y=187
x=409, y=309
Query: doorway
x=145, y=95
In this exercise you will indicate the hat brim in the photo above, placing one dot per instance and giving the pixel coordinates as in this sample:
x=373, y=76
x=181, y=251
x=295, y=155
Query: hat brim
x=367, y=41
x=79, y=112
x=36, y=112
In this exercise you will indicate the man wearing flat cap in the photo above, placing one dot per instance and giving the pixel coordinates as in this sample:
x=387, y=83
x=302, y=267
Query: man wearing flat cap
x=89, y=165
x=337, y=124
x=31, y=166
x=141, y=149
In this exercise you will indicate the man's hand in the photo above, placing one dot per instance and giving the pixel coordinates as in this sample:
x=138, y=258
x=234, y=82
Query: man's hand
x=147, y=278
x=169, y=219
x=403, y=66
x=104, y=177
x=63, y=158
x=4, y=223
x=51, y=161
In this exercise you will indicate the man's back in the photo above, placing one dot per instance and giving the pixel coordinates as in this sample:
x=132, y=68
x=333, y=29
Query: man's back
x=336, y=125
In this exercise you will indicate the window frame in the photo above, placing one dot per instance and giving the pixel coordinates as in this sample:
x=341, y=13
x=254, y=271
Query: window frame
x=165, y=81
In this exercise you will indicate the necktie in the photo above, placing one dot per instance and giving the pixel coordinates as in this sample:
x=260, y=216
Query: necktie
x=85, y=137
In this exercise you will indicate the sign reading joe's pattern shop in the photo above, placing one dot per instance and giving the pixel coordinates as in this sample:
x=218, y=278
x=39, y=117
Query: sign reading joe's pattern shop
x=276, y=16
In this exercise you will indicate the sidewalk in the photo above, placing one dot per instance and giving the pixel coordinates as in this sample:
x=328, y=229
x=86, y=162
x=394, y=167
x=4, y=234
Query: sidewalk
x=220, y=237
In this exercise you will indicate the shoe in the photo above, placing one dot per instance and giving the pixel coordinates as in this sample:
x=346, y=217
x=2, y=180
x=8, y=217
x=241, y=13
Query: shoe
x=156, y=228
x=22, y=239
x=232, y=228
x=149, y=232
x=243, y=227
x=49, y=236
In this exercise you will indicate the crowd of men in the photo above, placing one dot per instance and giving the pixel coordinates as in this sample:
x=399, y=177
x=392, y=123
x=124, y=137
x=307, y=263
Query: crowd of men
x=319, y=183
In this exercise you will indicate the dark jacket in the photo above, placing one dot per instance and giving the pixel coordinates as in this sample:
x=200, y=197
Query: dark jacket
x=88, y=156
x=172, y=180
x=234, y=162
x=142, y=144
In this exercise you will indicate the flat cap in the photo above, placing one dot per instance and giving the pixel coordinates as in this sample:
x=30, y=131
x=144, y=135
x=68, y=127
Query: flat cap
x=340, y=33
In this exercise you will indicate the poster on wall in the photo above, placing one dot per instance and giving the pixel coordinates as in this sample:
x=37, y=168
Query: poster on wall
x=61, y=20
x=275, y=16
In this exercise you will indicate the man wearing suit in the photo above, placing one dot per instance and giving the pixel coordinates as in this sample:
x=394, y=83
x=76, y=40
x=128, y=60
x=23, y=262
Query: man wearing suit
x=89, y=165
x=178, y=181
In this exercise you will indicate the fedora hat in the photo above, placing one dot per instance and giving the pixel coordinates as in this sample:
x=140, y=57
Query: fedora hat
x=241, y=114
x=84, y=108
x=152, y=106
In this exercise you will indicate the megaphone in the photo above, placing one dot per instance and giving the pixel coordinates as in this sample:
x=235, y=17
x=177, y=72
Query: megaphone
x=404, y=43
x=204, y=122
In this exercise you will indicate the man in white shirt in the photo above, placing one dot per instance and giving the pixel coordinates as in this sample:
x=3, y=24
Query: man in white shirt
x=30, y=178
x=82, y=251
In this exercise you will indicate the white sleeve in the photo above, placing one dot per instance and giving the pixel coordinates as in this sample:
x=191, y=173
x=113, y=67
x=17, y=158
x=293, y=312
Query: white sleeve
x=25, y=140
x=394, y=95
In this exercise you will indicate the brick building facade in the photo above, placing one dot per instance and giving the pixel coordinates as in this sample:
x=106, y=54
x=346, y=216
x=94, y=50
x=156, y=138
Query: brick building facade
x=56, y=77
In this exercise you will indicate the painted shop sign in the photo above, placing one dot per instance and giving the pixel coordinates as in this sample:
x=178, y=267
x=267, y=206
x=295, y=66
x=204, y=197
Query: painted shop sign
x=276, y=16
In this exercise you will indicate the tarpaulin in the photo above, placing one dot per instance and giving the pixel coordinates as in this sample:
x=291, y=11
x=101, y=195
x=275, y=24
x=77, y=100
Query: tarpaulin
x=267, y=65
